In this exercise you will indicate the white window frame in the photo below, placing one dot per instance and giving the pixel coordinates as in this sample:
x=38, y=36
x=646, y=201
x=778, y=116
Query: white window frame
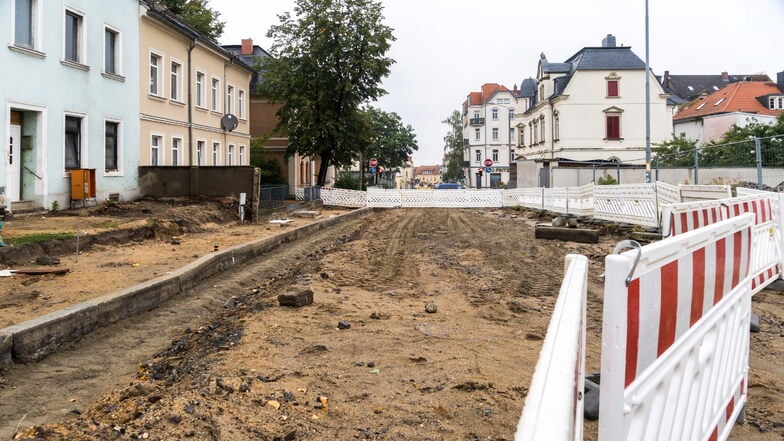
x=230, y=90
x=230, y=154
x=215, y=153
x=35, y=25
x=120, y=145
x=477, y=135
x=241, y=157
x=175, y=93
x=83, y=138
x=478, y=156
x=241, y=104
x=81, y=46
x=495, y=134
x=215, y=94
x=178, y=150
x=161, y=155
x=118, y=47
x=200, y=152
x=494, y=113
x=161, y=92
x=201, y=96
x=495, y=155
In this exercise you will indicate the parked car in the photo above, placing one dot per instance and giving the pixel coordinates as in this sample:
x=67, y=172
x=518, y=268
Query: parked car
x=449, y=185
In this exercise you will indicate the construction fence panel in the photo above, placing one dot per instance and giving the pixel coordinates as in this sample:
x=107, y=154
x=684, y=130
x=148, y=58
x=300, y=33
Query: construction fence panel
x=377, y=197
x=667, y=193
x=452, y=198
x=416, y=198
x=580, y=200
x=484, y=198
x=704, y=192
x=630, y=203
x=512, y=197
x=532, y=198
x=675, y=336
x=554, y=405
x=555, y=199
x=340, y=197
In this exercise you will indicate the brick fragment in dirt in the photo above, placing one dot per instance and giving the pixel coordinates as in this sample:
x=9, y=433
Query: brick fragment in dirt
x=299, y=299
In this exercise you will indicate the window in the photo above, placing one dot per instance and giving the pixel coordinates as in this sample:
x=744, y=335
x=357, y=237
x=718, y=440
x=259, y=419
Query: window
x=230, y=158
x=719, y=102
x=772, y=101
x=200, y=152
x=175, y=151
x=613, y=126
x=176, y=70
x=155, y=74
x=531, y=134
x=495, y=134
x=478, y=155
x=242, y=155
x=511, y=114
x=476, y=114
x=511, y=136
x=495, y=155
x=512, y=156
x=215, y=95
x=73, y=37
x=25, y=23
x=155, y=148
x=241, y=103
x=556, y=128
x=541, y=130
x=522, y=136
x=111, y=150
x=111, y=46
x=495, y=113
x=73, y=142
x=536, y=132
x=215, y=153
x=230, y=99
x=612, y=88
x=200, y=89
x=477, y=134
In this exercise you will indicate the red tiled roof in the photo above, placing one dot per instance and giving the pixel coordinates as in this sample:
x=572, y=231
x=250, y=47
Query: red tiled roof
x=430, y=169
x=735, y=97
x=488, y=90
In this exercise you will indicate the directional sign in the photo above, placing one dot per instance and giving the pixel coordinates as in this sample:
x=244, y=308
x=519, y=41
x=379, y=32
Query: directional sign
x=488, y=162
x=372, y=170
x=488, y=169
x=373, y=162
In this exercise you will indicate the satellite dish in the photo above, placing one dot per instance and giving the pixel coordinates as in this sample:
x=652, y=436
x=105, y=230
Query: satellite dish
x=229, y=122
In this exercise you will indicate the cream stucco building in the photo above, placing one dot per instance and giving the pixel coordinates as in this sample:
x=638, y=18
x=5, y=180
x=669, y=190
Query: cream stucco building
x=189, y=84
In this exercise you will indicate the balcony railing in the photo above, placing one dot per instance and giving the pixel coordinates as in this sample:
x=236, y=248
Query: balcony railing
x=477, y=121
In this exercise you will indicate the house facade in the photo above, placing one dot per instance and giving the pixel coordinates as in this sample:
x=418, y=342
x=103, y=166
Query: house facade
x=489, y=127
x=427, y=175
x=194, y=96
x=741, y=103
x=70, y=100
x=592, y=108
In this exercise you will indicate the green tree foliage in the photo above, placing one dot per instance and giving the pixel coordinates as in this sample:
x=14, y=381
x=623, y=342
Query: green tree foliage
x=269, y=169
x=327, y=62
x=737, y=145
x=453, y=147
x=198, y=15
x=389, y=140
x=347, y=180
x=677, y=152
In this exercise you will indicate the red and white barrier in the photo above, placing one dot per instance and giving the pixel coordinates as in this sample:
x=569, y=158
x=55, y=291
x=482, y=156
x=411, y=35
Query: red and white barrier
x=554, y=405
x=675, y=336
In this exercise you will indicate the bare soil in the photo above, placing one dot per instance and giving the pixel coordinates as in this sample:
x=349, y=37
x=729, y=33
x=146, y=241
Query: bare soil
x=446, y=312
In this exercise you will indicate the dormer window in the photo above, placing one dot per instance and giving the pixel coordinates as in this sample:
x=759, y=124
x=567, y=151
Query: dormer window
x=776, y=102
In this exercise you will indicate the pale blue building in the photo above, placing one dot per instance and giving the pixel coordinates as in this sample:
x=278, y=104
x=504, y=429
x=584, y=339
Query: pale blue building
x=69, y=99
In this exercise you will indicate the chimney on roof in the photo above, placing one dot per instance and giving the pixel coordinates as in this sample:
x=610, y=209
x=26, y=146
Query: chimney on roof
x=247, y=46
x=608, y=41
x=515, y=88
x=666, y=79
x=725, y=76
x=780, y=80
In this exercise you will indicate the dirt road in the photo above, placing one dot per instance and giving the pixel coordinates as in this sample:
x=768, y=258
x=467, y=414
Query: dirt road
x=444, y=314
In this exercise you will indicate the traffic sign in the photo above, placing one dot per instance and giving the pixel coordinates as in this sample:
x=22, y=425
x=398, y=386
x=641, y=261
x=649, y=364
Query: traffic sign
x=381, y=169
x=488, y=169
x=488, y=162
x=372, y=170
x=373, y=162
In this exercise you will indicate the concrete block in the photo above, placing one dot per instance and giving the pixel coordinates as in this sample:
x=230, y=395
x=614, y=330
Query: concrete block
x=582, y=235
x=6, y=347
x=298, y=299
x=128, y=302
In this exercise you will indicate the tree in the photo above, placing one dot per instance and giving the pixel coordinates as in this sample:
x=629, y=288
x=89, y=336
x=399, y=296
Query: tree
x=677, y=152
x=389, y=140
x=269, y=169
x=198, y=15
x=737, y=145
x=453, y=147
x=326, y=63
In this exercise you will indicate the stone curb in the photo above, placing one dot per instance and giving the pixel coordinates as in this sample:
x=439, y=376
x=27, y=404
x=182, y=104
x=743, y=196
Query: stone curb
x=34, y=339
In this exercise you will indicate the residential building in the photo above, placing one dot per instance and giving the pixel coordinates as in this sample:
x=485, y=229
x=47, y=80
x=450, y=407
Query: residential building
x=591, y=108
x=194, y=96
x=297, y=170
x=707, y=119
x=69, y=99
x=685, y=88
x=427, y=175
x=489, y=127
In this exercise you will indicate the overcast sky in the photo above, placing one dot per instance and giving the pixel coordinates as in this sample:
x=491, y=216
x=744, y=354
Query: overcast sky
x=448, y=48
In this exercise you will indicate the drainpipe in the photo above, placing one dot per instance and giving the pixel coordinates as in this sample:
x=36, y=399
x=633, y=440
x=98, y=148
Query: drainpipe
x=190, y=102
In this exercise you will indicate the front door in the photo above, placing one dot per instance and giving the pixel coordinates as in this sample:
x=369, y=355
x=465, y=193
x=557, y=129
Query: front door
x=13, y=165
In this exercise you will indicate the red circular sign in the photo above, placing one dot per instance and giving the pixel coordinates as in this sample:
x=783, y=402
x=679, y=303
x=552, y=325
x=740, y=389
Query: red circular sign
x=488, y=162
x=373, y=162
x=381, y=169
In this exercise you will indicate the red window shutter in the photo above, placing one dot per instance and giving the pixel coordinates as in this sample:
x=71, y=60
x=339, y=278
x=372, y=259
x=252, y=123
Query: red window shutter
x=613, y=127
x=612, y=88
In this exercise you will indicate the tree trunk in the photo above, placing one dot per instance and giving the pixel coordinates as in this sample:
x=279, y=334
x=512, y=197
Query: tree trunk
x=325, y=163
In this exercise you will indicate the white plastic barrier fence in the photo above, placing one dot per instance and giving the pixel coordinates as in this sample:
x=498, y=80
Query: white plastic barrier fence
x=377, y=197
x=555, y=199
x=511, y=197
x=675, y=336
x=343, y=198
x=631, y=204
x=667, y=193
x=484, y=198
x=580, y=200
x=704, y=192
x=532, y=198
x=554, y=406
